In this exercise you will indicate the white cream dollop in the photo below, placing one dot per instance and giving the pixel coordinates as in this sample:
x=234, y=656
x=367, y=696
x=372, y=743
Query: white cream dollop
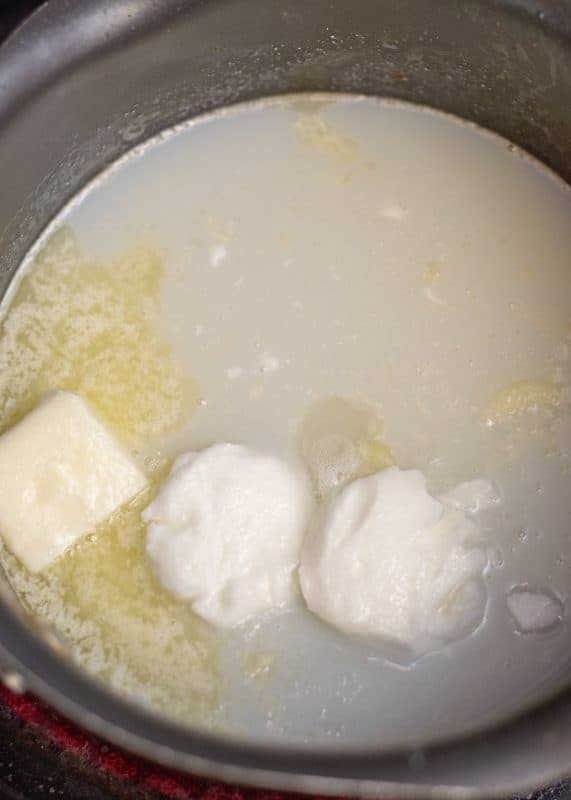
x=383, y=558
x=225, y=532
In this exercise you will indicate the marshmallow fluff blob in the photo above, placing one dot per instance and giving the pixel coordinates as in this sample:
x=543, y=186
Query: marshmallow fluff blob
x=353, y=313
x=384, y=558
x=225, y=532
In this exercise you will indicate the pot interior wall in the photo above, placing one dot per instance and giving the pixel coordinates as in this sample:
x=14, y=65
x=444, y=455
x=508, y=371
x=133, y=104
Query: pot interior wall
x=82, y=83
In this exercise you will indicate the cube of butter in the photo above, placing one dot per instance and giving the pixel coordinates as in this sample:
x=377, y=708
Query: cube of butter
x=61, y=473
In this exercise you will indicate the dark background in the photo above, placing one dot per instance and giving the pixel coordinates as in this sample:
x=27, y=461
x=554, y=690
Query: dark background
x=13, y=11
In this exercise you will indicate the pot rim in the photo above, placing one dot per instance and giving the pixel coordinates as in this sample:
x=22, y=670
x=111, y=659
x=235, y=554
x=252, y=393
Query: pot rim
x=26, y=651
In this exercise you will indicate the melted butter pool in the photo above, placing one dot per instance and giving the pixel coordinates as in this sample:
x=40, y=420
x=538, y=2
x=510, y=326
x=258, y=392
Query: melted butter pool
x=379, y=259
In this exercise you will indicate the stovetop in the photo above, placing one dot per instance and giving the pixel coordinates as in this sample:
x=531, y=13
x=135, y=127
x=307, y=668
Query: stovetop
x=44, y=756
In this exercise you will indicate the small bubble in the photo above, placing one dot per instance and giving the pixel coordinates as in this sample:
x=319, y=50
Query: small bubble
x=153, y=463
x=534, y=611
x=522, y=535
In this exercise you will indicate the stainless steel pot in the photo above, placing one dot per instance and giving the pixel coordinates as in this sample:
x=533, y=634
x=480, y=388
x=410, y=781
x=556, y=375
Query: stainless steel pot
x=80, y=83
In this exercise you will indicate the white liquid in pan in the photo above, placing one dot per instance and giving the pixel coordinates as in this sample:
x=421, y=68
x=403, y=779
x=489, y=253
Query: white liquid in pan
x=402, y=260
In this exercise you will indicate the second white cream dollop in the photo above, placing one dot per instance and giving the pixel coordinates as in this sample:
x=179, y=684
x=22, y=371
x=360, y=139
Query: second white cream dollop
x=385, y=559
x=225, y=532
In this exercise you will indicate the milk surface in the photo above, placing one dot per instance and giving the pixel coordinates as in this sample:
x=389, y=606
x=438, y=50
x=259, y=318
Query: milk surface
x=413, y=267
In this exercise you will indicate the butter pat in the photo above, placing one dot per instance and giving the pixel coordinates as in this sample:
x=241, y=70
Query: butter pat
x=62, y=474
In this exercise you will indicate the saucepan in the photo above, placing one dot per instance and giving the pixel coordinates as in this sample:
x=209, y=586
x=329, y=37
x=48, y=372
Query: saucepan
x=81, y=84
